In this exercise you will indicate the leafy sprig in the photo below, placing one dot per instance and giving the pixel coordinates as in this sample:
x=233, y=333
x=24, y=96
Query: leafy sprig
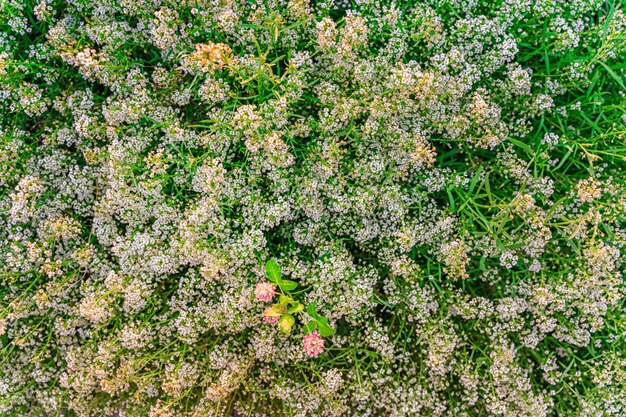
x=287, y=306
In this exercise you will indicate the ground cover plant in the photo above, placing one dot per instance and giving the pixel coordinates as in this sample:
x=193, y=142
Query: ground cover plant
x=312, y=208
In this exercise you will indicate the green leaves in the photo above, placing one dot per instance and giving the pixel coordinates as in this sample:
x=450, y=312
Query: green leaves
x=274, y=275
x=299, y=307
x=310, y=326
x=323, y=328
x=318, y=323
x=296, y=306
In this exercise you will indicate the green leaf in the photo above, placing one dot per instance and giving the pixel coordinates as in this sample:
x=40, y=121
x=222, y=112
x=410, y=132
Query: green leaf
x=273, y=271
x=287, y=285
x=612, y=73
x=323, y=328
x=310, y=309
x=285, y=322
x=310, y=326
x=521, y=145
x=474, y=181
x=451, y=199
x=296, y=309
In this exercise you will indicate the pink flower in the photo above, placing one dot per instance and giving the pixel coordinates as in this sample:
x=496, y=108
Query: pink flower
x=264, y=291
x=313, y=344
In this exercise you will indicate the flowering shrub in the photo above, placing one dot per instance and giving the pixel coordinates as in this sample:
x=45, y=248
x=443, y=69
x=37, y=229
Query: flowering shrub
x=312, y=208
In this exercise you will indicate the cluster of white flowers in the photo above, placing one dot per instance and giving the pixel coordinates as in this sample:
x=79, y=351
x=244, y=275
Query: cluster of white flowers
x=431, y=175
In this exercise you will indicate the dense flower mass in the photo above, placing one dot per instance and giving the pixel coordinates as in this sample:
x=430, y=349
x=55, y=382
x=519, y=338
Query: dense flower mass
x=199, y=197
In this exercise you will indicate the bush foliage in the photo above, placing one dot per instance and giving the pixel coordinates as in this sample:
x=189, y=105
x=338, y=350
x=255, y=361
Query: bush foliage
x=307, y=208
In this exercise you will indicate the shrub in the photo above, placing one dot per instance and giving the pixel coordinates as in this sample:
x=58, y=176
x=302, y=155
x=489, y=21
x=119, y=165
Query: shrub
x=307, y=208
